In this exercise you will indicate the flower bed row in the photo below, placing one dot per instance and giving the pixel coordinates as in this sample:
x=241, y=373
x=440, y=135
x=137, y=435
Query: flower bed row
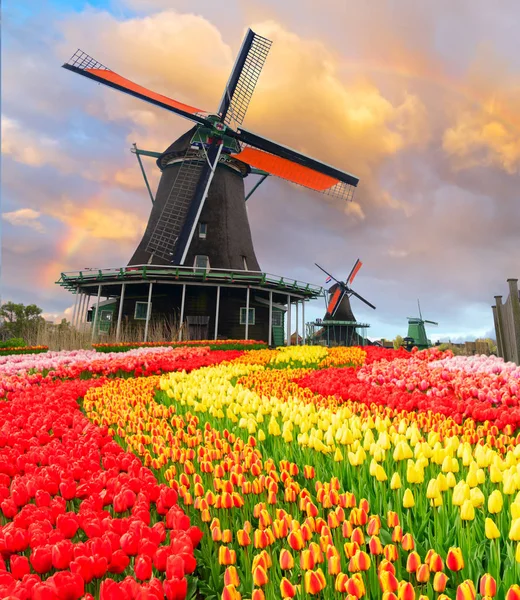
x=80, y=516
x=213, y=344
x=23, y=350
x=302, y=495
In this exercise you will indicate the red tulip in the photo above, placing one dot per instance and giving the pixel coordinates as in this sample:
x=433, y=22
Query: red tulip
x=143, y=567
x=488, y=585
x=19, y=566
x=175, y=589
x=41, y=559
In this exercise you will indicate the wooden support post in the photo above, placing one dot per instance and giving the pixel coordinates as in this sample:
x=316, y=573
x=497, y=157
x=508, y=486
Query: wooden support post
x=297, y=325
x=270, y=336
x=247, y=314
x=148, y=312
x=120, y=312
x=75, y=309
x=288, y=319
x=216, y=311
x=182, y=310
x=304, y=336
x=95, y=317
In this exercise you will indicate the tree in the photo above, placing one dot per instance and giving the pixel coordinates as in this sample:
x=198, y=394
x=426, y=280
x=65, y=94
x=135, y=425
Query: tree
x=398, y=342
x=18, y=318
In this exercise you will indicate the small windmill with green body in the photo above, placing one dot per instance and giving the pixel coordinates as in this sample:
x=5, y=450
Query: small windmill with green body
x=417, y=331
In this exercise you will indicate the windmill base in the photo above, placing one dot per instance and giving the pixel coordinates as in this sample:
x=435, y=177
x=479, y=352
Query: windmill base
x=187, y=303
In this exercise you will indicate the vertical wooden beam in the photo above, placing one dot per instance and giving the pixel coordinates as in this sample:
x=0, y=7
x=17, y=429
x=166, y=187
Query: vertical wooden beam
x=217, y=311
x=297, y=324
x=75, y=309
x=96, y=315
x=182, y=310
x=120, y=312
x=148, y=312
x=304, y=336
x=270, y=337
x=247, y=314
x=288, y=319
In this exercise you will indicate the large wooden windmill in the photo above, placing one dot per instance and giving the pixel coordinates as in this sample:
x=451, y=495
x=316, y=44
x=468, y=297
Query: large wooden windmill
x=198, y=227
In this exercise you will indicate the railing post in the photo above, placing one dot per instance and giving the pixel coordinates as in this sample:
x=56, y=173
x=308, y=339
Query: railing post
x=270, y=337
x=288, y=319
x=120, y=312
x=216, y=311
x=95, y=318
x=148, y=312
x=247, y=314
x=182, y=310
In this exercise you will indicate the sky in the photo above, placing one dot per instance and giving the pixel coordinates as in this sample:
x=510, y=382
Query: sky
x=420, y=100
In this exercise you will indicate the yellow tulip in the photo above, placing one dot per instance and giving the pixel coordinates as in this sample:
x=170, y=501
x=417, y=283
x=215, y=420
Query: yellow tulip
x=408, y=499
x=491, y=530
x=395, y=482
x=514, y=532
x=467, y=512
x=495, y=502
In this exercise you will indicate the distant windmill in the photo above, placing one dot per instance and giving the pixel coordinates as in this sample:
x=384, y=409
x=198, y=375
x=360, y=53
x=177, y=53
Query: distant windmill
x=339, y=322
x=417, y=331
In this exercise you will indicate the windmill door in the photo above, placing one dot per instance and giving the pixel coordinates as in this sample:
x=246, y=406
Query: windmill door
x=198, y=327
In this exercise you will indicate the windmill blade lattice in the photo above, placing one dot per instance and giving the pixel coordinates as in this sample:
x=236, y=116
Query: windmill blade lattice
x=243, y=79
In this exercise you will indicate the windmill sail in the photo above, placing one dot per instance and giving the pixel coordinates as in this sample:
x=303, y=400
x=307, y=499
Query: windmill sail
x=83, y=64
x=243, y=79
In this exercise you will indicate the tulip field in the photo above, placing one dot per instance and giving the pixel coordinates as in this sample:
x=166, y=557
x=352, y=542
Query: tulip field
x=238, y=472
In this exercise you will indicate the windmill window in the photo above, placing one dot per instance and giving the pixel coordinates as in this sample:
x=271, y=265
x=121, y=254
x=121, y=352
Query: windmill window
x=277, y=318
x=203, y=229
x=141, y=310
x=243, y=312
x=201, y=262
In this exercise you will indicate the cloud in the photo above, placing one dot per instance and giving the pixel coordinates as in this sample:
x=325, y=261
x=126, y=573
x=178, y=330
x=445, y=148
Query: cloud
x=24, y=217
x=478, y=139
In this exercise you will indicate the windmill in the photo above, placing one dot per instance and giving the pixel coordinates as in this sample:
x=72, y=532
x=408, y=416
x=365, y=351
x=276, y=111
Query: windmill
x=417, y=331
x=339, y=321
x=198, y=217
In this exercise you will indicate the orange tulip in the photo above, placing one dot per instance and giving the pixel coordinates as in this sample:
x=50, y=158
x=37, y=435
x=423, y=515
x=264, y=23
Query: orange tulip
x=226, y=556
x=295, y=540
x=231, y=576
x=513, y=593
x=466, y=591
x=243, y=538
x=314, y=581
x=340, y=582
x=407, y=542
x=258, y=594
x=413, y=562
x=388, y=582
x=391, y=553
x=231, y=593
x=334, y=565
x=286, y=560
x=287, y=589
x=375, y=546
x=423, y=574
x=440, y=581
x=260, y=576
x=356, y=586
x=454, y=560
x=406, y=591
x=307, y=561
x=435, y=562
x=488, y=585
